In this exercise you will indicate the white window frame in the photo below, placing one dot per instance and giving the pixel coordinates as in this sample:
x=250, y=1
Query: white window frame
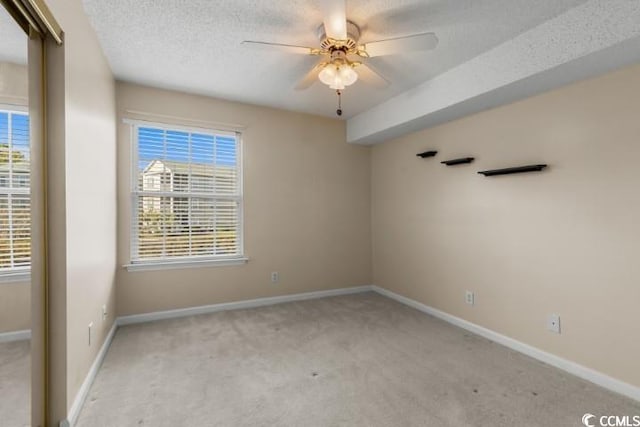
x=137, y=264
x=16, y=274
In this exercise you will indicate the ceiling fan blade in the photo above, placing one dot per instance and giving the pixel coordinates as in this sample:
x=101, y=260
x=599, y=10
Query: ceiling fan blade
x=334, y=13
x=372, y=77
x=425, y=41
x=311, y=77
x=286, y=48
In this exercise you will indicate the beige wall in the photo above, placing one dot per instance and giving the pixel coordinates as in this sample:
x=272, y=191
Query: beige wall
x=563, y=241
x=306, y=206
x=85, y=208
x=14, y=82
x=15, y=307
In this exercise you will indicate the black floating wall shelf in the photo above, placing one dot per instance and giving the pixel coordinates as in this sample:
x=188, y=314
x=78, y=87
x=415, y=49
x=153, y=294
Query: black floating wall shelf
x=427, y=154
x=459, y=161
x=519, y=169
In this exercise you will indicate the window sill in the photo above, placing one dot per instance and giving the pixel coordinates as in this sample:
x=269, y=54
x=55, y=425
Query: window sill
x=15, y=277
x=183, y=264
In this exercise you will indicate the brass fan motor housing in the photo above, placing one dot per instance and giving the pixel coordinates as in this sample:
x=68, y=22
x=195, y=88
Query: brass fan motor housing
x=348, y=46
x=339, y=57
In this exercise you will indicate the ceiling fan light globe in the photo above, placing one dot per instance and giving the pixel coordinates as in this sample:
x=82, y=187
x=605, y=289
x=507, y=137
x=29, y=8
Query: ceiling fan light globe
x=337, y=77
x=347, y=75
x=328, y=74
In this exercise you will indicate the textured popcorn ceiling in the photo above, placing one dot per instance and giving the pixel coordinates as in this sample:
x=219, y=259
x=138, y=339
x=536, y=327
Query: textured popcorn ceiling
x=593, y=38
x=13, y=41
x=195, y=46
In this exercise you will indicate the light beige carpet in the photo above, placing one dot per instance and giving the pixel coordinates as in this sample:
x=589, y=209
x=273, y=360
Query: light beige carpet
x=15, y=374
x=358, y=360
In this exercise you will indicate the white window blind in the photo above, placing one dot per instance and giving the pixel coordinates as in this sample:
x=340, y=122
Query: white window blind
x=186, y=194
x=15, y=202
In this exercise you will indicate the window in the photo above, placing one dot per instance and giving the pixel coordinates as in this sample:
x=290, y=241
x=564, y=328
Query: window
x=15, y=202
x=186, y=195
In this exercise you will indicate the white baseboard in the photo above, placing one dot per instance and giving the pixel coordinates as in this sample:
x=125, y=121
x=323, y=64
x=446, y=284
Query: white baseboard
x=573, y=368
x=81, y=396
x=259, y=302
x=566, y=365
x=15, y=336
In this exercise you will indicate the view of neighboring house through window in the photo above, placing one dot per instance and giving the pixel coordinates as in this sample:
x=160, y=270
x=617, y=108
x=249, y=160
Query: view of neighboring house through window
x=186, y=194
x=15, y=210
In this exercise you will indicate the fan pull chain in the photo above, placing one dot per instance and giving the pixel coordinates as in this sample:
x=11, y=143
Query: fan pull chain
x=339, y=110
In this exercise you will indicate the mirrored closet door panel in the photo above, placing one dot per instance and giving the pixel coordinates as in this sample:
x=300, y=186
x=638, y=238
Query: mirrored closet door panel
x=15, y=226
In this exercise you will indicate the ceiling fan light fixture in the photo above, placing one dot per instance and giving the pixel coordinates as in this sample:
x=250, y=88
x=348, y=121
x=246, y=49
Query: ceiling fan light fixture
x=338, y=76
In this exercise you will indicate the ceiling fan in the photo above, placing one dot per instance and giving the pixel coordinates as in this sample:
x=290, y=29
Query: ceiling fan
x=343, y=57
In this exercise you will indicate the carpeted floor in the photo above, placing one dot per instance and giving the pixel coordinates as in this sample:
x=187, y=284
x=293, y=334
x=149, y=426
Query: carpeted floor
x=15, y=374
x=358, y=360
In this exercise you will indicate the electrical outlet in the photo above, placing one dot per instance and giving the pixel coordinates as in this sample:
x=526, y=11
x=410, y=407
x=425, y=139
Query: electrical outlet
x=90, y=326
x=275, y=277
x=469, y=298
x=553, y=323
x=104, y=312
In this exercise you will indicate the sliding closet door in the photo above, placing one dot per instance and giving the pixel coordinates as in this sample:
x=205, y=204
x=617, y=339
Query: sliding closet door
x=27, y=30
x=16, y=347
